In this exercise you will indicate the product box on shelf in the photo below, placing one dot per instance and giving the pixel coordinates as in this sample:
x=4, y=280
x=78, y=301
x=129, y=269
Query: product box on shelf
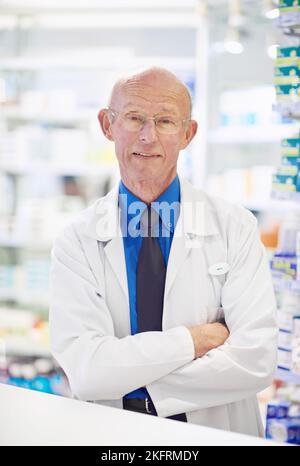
x=289, y=20
x=290, y=147
x=285, y=183
x=291, y=161
x=286, y=3
x=290, y=155
x=287, y=56
x=298, y=244
x=285, y=339
x=296, y=346
x=288, y=170
x=287, y=92
x=284, y=359
x=284, y=321
x=286, y=265
x=287, y=75
x=283, y=421
x=35, y=373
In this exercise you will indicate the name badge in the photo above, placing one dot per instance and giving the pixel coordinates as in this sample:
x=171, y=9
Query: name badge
x=219, y=268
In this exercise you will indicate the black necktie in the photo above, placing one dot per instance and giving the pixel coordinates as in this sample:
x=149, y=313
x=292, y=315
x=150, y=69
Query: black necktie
x=150, y=283
x=150, y=276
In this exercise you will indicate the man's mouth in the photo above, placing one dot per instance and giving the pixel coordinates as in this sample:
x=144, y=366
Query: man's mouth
x=145, y=155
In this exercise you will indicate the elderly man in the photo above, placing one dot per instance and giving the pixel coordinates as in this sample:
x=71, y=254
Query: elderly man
x=141, y=279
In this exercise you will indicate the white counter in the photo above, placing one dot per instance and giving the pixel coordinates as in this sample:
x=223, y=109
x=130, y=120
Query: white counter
x=33, y=418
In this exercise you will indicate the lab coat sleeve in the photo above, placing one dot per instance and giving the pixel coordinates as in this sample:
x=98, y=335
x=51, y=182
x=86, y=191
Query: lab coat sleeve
x=245, y=364
x=100, y=366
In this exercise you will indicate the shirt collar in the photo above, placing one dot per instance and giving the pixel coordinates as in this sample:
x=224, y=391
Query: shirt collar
x=170, y=196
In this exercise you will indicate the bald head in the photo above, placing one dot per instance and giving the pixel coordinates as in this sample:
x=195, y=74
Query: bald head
x=150, y=83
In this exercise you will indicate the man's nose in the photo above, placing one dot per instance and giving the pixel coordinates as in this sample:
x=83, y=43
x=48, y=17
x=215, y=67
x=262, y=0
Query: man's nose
x=149, y=132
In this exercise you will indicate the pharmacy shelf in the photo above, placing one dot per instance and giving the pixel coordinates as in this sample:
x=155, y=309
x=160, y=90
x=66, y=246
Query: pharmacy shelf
x=27, y=299
x=45, y=168
x=112, y=62
x=92, y=6
x=288, y=109
x=8, y=295
x=29, y=245
x=11, y=243
x=79, y=117
x=289, y=21
x=293, y=197
x=15, y=346
x=272, y=205
x=122, y=19
x=287, y=376
x=255, y=134
x=286, y=285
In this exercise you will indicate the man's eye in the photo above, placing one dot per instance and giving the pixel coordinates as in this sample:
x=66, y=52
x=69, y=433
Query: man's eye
x=166, y=121
x=134, y=117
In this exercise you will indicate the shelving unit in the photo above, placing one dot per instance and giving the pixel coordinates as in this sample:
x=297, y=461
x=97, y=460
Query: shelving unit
x=289, y=22
x=24, y=68
x=238, y=135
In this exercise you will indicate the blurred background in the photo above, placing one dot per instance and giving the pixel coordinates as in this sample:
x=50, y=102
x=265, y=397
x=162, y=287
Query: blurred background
x=58, y=61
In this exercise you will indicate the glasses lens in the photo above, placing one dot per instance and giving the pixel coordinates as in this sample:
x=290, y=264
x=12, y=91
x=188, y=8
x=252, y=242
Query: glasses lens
x=167, y=125
x=133, y=121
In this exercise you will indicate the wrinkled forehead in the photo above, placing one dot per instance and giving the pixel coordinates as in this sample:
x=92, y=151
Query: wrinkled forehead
x=167, y=94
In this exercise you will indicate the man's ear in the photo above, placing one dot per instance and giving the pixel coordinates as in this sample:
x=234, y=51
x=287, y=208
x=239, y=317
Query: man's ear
x=189, y=134
x=105, y=124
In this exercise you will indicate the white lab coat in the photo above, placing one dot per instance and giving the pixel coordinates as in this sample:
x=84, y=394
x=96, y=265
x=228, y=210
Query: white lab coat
x=90, y=319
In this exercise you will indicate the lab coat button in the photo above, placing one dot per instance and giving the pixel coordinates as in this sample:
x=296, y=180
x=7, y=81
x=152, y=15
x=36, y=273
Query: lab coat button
x=219, y=268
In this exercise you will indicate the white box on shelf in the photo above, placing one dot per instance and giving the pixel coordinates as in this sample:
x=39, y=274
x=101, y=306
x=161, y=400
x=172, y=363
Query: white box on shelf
x=296, y=327
x=285, y=320
x=298, y=244
x=284, y=359
x=285, y=340
x=296, y=359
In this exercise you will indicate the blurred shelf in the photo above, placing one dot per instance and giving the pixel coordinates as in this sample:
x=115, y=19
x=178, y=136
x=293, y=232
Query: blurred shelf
x=77, y=118
x=106, y=63
x=11, y=243
x=93, y=6
x=8, y=295
x=44, y=168
x=288, y=109
x=287, y=376
x=255, y=135
x=275, y=205
x=293, y=197
x=30, y=245
x=28, y=298
x=15, y=346
x=285, y=285
x=158, y=16
x=289, y=21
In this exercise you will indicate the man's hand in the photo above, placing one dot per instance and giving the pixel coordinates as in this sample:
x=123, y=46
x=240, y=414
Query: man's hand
x=207, y=337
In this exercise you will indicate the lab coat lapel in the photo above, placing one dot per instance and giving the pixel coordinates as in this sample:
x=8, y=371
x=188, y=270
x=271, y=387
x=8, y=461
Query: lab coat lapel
x=179, y=252
x=114, y=251
x=104, y=226
x=194, y=223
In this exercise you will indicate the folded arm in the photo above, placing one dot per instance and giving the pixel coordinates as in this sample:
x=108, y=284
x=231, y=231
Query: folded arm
x=100, y=366
x=245, y=364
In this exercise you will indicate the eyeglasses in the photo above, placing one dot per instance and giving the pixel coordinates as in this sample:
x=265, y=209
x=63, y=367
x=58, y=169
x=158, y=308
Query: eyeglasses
x=135, y=121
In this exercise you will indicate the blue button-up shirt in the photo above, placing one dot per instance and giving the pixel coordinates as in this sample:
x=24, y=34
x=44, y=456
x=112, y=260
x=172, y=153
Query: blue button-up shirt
x=130, y=216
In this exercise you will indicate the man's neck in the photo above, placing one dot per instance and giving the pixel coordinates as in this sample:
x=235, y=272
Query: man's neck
x=148, y=190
